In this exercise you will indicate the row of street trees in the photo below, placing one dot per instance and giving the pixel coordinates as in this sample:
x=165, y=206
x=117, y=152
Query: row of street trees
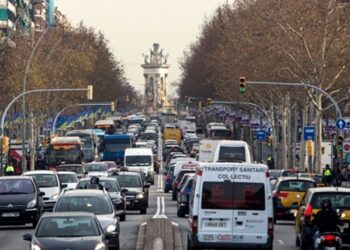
x=275, y=40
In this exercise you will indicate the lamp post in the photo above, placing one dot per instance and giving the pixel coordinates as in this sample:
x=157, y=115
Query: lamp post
x=72, y=106
x=89, y=95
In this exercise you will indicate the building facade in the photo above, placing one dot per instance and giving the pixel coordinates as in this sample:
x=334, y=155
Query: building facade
x=8, y=15
x=155, y=72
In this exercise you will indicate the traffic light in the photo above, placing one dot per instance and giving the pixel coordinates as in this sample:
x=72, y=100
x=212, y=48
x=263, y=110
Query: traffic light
x=47, y=141
x=112, y=106
x=209, y=102
x=269, y=140
x=340, y=144
x=5, y=144
x=242, y=84
x=188, y=99
x=200, y=105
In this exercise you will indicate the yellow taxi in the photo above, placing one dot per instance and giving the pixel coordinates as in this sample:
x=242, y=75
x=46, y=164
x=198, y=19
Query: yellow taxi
x=287, y=195
x=311, y=204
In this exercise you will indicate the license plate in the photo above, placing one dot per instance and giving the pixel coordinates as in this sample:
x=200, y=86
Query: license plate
x=329, y=248
x=215, y=224
x=10, y=214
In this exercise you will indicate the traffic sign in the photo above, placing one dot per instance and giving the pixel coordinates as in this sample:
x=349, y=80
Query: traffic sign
x=309, y=133
x=261, y=135
x=346, y=147
x=340, y=124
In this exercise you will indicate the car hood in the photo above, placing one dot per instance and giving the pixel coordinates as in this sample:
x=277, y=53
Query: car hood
x=97, y=173
x=71, y=185
x=16, y=199
x=50, y=191
x=115, y=195
x=106, y=219
x=133, y=190
x=71, y=243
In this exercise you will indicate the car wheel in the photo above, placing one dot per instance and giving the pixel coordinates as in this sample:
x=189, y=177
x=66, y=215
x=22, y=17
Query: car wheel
x=166, y=190
x=190, y=247
x=122, y=217
x=180, y=213
x=143, y=211
x=34, y=223
x=303, y=243
x=297, y=241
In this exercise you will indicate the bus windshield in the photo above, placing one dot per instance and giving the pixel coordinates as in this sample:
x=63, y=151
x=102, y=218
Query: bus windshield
x=113, y=146
x=58, y=155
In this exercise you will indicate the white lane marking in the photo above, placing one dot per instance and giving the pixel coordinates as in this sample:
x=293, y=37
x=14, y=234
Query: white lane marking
x=158, y=208
x=161, y=181
x=281, y=242
x=160, y=213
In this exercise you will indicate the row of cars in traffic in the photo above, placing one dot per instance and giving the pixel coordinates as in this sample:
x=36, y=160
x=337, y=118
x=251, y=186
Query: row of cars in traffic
x=236, y=204
x=86, y=202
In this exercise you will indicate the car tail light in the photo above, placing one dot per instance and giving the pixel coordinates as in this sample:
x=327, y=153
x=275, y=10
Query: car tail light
x=308, y=211
x=281, y=195
x=328, y=237
x=194, y=224
x=270, y=227
x=267, y=174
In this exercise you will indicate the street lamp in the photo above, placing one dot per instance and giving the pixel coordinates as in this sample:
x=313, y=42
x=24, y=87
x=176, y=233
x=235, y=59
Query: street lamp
x=88, y=89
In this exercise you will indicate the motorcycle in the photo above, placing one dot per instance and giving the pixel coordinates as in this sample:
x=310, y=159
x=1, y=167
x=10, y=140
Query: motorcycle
x=328, y=241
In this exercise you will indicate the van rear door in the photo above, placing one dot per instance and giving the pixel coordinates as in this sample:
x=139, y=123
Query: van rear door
x=250, y=213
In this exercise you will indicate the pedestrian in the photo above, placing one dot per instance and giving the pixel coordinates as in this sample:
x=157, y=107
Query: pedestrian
x=270, y=162
x=9, y=170
x=328, y=175
x=344, y=175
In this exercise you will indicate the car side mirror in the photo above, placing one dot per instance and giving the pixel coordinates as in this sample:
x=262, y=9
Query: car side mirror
x=64, y=186
x=124, y=190
x=27, y=237
x=147, y=185
x=86, y=172
x=41, y=193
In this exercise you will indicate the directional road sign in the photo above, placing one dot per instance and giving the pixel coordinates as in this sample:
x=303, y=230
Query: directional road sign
x=340, y=124
x=269, y=130
x=261, y=135
x=309, y=133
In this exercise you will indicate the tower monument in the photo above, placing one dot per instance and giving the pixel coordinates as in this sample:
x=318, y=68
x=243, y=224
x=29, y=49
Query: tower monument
x=155, y=72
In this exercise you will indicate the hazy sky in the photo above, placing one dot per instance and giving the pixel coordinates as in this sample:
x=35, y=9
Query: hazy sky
x=132, y=26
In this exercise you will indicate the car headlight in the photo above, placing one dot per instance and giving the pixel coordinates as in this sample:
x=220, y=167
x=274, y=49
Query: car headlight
x=100, y=246
x=111, y=228
x=35, y=247
x=54, y=197
x=101, y=155
x=117, y=200
x=139, y=196
x=32, y=203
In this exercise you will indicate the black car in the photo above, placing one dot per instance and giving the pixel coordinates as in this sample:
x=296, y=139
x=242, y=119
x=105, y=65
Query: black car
x=93, y=201
x=68, y=230
x=136, y=197
x=116, y=193
x=21, y=201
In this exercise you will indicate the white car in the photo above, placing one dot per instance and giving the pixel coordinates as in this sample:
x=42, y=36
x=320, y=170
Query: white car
x=99, y=169
x=68, y=178
x=49, y=183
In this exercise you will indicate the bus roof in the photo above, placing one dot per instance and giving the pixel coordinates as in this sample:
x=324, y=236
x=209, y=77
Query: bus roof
x=66, y=140
x=116, y=136
x=104, y=122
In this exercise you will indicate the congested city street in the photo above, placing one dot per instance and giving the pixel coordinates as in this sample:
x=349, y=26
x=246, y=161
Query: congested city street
x=174, y=125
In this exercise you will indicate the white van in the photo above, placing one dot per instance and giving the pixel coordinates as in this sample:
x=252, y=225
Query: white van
x=140, y=159
x=231, y=207
x=233, y=151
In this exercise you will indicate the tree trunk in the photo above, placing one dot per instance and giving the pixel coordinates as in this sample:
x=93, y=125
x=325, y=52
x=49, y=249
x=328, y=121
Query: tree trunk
x=305, y=114
x=284, y=121
x=318, y=139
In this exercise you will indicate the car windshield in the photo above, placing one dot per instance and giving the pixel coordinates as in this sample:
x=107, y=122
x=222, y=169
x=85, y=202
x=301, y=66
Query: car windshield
x=109, y=185
x=232, y=154
x=45, y=180
x=96, y=167
x=228, y=195
x=275, y=173
x=77, y=226
x=67, y=178
x=115, y=146
x=296, y=185
x=93, y=204
x=16, y=186
x=129, y=181
x=338, y=199
x=138, y=160
x=75, y=169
